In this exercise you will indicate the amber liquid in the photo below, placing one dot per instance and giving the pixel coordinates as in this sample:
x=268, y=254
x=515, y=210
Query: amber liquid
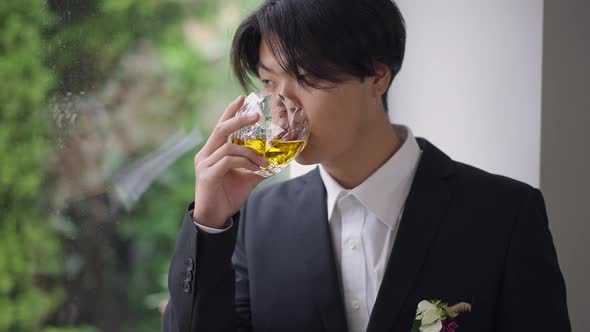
x=278, y=153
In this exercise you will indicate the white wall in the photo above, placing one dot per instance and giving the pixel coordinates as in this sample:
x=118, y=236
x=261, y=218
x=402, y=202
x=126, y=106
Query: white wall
x=471, y=81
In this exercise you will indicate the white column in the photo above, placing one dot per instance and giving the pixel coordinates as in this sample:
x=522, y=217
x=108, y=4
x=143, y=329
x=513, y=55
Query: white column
x=565, y=162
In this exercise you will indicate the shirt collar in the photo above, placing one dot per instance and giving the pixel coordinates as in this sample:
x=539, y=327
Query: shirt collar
x=385, y=191
x=333, y=190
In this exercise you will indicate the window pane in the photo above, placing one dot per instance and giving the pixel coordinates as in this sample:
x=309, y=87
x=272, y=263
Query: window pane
x=104, y=105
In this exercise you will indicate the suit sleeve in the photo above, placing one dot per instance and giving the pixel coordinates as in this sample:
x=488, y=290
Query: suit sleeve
x=533, y=296
x=202, y=282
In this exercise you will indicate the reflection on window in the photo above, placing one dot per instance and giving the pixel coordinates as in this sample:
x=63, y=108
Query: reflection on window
x=104, y=104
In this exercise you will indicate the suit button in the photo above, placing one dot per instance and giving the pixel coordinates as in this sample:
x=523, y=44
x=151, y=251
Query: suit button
x=187, y=287
x=189, y=264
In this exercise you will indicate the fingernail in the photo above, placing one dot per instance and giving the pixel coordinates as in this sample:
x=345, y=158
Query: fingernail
x=240, y=96
x=251, y=115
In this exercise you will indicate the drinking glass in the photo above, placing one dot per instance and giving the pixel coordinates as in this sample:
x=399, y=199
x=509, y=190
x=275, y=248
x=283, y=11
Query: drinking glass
x=280, y=134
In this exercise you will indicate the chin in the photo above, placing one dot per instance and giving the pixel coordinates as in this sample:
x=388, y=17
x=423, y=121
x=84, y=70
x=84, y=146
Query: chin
x=306, y=157
x=302, y=160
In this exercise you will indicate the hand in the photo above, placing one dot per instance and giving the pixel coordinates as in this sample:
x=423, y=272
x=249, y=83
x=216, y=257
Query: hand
x=224, y=171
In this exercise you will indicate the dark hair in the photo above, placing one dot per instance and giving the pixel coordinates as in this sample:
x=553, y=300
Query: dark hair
x=324, y=38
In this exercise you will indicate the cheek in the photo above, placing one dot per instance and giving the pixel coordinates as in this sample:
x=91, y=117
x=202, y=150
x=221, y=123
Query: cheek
x=321, y=118
x=330, y=125
x=334, y=115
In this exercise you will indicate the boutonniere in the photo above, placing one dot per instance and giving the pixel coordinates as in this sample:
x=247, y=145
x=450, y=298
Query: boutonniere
x=435, y=316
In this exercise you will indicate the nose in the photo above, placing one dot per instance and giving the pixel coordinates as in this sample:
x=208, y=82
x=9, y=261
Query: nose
x=287, y=90
x=287, y=116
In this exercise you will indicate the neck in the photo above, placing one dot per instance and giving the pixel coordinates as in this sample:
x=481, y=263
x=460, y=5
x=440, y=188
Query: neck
x=378, y=144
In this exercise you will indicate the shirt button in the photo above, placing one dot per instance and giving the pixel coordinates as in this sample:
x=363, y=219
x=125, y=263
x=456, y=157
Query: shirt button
x=355, y=304
x=352, y=244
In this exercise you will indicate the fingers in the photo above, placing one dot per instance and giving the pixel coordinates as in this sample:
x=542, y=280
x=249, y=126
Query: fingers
x=232, y=109
x=228, y=163
x=227, y=127
x=231, y=157
x=229, y=149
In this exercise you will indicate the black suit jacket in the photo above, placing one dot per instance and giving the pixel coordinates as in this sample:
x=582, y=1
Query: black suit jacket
x=465, y=236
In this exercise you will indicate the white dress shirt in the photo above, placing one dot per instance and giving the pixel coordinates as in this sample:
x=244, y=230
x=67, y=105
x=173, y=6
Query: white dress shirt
x=363, y=222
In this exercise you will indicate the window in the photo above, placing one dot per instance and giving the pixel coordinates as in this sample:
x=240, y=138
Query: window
x=104, y=104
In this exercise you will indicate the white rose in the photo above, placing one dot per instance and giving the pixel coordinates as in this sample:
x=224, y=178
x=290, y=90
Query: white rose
x=429, y=315
x=436, y=327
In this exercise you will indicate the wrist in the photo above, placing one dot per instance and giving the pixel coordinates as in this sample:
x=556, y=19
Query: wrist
x=208, y=221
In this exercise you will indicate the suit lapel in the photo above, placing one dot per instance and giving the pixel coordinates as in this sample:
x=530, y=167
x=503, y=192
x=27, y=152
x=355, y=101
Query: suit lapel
x=425, y=207
x=313, y=232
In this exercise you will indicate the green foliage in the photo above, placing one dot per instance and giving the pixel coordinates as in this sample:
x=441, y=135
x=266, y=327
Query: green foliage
x=29, y=251
x=152, y=229
x=88, y=40
x=71, y=329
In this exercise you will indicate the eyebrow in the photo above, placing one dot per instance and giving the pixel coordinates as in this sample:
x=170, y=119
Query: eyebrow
x=263, y=66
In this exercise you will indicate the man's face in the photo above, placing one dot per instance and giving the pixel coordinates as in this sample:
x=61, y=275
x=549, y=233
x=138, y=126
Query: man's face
x=336, y=116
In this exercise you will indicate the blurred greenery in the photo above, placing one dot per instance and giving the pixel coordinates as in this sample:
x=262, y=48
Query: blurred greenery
x=90, y=88
x=29, y=252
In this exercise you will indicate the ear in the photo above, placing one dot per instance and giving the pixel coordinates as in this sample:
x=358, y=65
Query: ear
x=380, y=81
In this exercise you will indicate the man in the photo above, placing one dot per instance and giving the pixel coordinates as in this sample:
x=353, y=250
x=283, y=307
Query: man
x=386, y=221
